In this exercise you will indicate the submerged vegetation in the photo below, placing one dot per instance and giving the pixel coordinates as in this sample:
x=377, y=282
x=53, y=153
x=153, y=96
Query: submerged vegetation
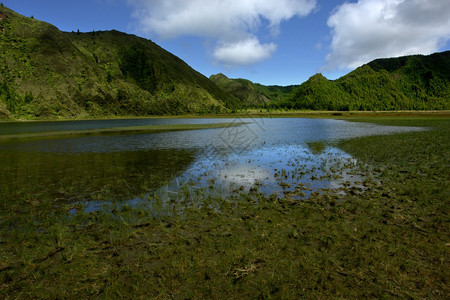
x=387, y=239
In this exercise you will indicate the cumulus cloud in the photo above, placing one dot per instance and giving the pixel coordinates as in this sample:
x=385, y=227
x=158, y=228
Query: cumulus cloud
x=371, y=29
x=245, y=52
x=233, y=24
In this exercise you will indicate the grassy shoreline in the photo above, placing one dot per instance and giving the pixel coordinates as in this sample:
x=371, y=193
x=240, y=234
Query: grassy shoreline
x=258, y=113
x=389, y=240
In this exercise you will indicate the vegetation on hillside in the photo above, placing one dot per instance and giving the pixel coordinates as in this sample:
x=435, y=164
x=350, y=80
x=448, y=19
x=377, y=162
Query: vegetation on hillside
x=251, y=94
x=46, y=73
x=407, y=83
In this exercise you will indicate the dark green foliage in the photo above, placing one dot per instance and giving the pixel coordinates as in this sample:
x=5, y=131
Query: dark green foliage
x=251, y=94
x=135, y=62
x=316, y=96
x=28, y=97
x=406, y=83
x=108, y=77
x=9, y=97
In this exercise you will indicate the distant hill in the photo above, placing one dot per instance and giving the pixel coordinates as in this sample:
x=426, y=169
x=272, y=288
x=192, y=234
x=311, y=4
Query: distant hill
x=46, y=73
x=414, y=82
x=251, y=94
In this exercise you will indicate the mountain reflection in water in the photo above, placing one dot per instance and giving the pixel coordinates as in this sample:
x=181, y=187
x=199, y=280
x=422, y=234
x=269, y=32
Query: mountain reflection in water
x=277, y=155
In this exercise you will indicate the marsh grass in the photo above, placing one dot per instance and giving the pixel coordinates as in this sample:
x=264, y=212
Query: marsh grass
x=389, y=239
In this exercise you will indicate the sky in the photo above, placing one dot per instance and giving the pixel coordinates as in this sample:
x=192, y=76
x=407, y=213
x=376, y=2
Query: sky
x=272, y=42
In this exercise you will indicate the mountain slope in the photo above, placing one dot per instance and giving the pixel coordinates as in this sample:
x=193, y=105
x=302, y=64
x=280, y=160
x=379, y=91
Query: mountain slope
x=249, y=93
x=414, y=82
x=46, y=73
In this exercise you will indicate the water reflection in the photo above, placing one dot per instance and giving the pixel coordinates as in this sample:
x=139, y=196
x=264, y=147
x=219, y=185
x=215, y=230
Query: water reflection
x=276, y=169
x=275, y=155
x=29, y=176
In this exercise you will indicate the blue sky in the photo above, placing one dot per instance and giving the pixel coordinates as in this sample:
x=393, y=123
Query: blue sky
x=279, y=42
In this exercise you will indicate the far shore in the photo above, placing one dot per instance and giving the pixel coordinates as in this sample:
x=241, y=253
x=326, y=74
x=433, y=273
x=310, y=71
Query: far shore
x=261, y=113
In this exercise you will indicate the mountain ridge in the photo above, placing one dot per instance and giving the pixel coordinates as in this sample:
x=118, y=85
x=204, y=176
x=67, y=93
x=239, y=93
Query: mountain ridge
x=414, y=82
x=47, y=73
x=251, y=94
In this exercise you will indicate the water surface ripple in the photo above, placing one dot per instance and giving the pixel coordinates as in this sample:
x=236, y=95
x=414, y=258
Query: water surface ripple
x=276, y=155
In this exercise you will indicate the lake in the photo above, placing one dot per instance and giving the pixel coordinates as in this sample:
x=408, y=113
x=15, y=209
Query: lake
x=273, y=156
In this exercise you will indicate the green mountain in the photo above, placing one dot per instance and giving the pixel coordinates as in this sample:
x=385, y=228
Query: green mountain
x=251, y=94
x=46, y=73
x=414, y=82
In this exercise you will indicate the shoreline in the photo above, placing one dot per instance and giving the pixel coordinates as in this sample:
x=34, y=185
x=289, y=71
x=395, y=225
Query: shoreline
x=257, y=113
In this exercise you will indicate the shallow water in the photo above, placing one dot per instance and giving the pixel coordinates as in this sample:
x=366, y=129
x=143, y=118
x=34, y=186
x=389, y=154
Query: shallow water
x=276, y=155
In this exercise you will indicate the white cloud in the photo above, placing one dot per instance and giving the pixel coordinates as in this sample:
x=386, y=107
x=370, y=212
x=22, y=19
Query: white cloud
x=233, y=24
x=371, y=29
x=245, y=52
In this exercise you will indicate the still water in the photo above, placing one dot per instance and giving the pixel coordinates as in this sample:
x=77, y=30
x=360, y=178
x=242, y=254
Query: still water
x=276, y=155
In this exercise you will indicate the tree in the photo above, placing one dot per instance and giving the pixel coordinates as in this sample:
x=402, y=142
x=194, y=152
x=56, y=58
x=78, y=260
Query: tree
x=136, y=63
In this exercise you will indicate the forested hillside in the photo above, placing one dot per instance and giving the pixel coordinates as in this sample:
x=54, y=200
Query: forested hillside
x=251, y=94
x=406, y=83
x=46, y=73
